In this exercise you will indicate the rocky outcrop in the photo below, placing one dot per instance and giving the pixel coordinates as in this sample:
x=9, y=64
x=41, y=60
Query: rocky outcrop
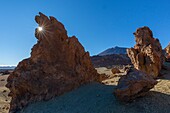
x=167, y=49
x=147, y=53
x=135, y=84
x=58, y=64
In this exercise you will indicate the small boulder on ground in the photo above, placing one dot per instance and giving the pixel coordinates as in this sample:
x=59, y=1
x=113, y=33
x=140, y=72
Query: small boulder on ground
x=135, y=84
x=115, y=70
x=2, y=79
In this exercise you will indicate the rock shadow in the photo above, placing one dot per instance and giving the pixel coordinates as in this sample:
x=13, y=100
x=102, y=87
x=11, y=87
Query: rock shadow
x=99, y=98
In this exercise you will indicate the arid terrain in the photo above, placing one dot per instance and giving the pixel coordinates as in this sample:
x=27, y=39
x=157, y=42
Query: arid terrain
x=60, y=76
x=88, y=56
x=4, y=99
x=98, y=98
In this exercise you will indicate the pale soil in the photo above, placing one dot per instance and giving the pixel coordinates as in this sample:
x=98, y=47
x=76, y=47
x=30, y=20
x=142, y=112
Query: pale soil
x=99, y=98
x=163, y=85
x=4, y=99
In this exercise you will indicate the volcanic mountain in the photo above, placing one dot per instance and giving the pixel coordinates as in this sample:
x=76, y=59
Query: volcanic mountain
x=114, y=50
x=111, y=57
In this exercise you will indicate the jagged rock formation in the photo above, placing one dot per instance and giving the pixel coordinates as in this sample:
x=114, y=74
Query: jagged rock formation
x=167, y=49
x=147, y=53
x=58, y=64
x=135, y=84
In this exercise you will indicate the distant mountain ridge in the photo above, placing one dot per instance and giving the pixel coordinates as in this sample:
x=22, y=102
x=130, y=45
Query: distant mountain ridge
x=111, y=57
x=114, y=50
x=5, y=68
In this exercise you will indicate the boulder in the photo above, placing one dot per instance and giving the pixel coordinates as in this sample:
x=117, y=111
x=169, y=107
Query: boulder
x=147, y=54
x=115, y=70
x=58, y=64
x=135, y=84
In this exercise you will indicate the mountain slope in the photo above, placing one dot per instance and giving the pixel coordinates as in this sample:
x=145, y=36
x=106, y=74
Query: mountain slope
x=115, y=50
x=110, y=60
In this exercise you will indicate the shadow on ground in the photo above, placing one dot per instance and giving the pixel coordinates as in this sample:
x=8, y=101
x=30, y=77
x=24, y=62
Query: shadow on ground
x=99, y=98
x=166, y=72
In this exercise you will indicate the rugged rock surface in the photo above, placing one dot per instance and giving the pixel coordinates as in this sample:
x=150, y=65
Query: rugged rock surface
x=147, y=53
x=167, y=49
x=58, y=64
x=135, y=84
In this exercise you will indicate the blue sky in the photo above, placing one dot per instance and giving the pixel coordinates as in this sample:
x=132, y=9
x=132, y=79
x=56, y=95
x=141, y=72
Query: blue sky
x=98, y=24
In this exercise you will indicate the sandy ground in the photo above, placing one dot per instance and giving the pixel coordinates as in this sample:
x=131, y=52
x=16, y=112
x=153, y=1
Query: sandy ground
x=99, y=98
x=4, y=99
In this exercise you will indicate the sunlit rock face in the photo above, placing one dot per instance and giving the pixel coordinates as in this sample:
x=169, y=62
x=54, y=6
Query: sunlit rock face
x=58, y=64
x=147, y=53
x=167, y=49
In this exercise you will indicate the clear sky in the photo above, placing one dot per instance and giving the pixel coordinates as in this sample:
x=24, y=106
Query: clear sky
x=98, y=24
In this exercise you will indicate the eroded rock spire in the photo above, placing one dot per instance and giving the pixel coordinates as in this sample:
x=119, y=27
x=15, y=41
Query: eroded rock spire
x=58, y=64
x=147, y=54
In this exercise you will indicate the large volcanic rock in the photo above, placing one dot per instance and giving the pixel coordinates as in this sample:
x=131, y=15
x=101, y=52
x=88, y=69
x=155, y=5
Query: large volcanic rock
x=58, y=64
x=147, y=53
x=135, y=84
